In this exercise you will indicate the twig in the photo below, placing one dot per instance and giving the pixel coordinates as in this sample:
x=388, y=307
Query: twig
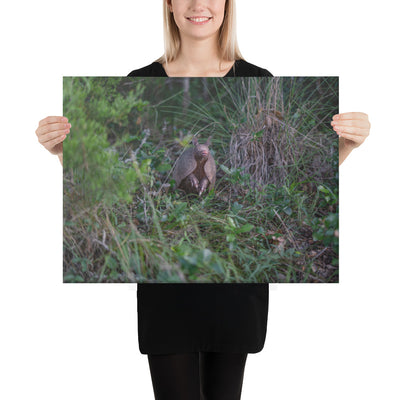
x=287, y=230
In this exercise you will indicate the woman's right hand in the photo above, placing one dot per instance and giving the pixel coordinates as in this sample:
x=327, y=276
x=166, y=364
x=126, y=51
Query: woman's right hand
x=51, y=132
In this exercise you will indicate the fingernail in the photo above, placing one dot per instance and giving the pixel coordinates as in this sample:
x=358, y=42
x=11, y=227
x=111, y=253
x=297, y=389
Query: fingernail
x=336, y=116
x=64, y=119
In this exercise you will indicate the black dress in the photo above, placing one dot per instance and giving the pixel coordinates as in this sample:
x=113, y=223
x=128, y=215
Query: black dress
x=192, y=317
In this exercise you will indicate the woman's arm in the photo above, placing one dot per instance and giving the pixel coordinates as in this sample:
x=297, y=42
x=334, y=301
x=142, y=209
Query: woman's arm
x=353, y=128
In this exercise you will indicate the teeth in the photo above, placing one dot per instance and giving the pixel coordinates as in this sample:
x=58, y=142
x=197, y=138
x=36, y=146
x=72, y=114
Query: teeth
x=199, y=19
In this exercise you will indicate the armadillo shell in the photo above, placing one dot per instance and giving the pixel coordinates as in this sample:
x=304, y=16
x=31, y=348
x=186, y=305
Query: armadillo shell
x=186, y=164
x=211, y=170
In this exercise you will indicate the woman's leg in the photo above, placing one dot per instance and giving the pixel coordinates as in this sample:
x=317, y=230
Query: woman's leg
x=221, y=375
x=175, y=376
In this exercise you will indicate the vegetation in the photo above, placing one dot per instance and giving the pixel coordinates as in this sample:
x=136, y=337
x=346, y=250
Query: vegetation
x=272, y=216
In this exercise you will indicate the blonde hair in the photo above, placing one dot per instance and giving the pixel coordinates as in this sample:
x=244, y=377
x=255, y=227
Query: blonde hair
x=227, y=41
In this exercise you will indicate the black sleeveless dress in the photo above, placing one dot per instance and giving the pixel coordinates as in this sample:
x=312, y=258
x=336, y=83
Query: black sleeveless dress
x=192, y=317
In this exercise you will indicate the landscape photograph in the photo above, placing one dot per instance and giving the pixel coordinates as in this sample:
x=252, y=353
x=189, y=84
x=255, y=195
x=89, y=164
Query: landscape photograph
x=200, y=180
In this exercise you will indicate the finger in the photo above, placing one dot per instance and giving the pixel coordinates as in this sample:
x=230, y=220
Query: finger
x=45, y=129
x=44, y=139
x=49, y=145
x=50, y=120
x=361, y=123
x=353, y=138
x=351, y=129
x=350, y=115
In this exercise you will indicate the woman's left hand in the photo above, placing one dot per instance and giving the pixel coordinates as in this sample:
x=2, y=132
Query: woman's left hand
x=353, y=127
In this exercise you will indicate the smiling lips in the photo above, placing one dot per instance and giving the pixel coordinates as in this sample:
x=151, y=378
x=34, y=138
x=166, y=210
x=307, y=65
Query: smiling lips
x=199, y=20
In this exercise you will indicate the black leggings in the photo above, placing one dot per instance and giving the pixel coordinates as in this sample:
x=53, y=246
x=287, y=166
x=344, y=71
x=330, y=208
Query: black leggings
x=197, y=376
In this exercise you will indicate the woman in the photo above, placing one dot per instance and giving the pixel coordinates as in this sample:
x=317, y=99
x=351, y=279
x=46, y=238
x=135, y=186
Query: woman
x=197, y=336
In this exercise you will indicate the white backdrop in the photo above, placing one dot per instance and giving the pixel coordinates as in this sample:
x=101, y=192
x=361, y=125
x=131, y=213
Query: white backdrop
x=80, y=341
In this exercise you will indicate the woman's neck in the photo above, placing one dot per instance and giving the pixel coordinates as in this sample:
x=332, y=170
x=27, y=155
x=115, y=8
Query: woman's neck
x=198, y=58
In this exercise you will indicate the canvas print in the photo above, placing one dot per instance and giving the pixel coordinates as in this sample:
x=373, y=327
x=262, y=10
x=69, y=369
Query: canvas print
x=200, y=180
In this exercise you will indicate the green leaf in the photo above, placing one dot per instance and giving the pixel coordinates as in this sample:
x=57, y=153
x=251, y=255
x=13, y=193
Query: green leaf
x=288, y=211
x=231, y=222
x=215, y=266
x=225, y=169
x=163, y=167
x=245, y=228
x=230, y=237
x=323, y=189
x=206, y=253
x=236, y=207
x=257, y=135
